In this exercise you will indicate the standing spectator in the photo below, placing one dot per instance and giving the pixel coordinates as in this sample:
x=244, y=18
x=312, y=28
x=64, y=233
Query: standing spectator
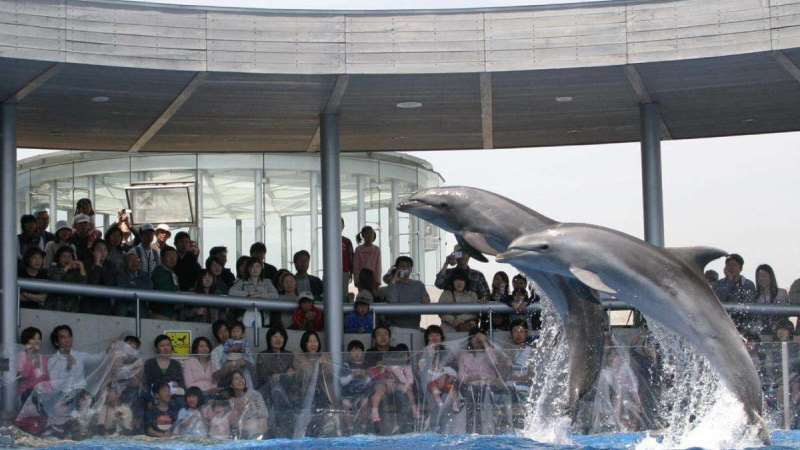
x=734, y=288
x=187, y=268
x=457, y=293
x=101, y=273
x=163, y=233
x=68, y=270
x=367, y=256
x=30, y=236
x=165, y=279
x=84, y=206
x=42, y=223
x=131, y=277
x=306, y=281
x=500, y=294
x=116, y=248
x=149, y=257
x=84, y=237
x=63, y=238
x=32, y=268
x=519, y=285
x=475, y=280
x=124, y=223
x=347, y=261
x=307, y=316
x=404, y=290
x=259, y=251
x=220, y=254
x=206, y=284
x=768, y=292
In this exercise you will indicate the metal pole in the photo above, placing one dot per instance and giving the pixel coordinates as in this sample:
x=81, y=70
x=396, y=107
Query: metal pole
x=239, y=238
x=787, y=399
x=259, y=212
x=285, y=257
x=652, y=194
x=138, y=316
x=53, y=205
x=198, y=231
x=361, y=207
x=332, y=242
x=10, y=300
x=394, y=225
x=314, y=216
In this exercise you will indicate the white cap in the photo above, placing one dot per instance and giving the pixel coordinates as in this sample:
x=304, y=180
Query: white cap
x=305, y=294
x=164, y=227
x=81, y=218
x=62, y=225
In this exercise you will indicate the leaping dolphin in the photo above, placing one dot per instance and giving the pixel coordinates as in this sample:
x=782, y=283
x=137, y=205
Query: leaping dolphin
x=666, y=286
x=486, y=223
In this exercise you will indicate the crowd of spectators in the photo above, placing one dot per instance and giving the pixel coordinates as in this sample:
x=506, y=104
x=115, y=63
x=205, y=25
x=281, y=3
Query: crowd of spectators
x=142, y=258
x=228, y=391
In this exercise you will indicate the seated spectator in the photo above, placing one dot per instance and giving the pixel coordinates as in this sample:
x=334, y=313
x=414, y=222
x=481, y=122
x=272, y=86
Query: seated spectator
x=187, y=268
x=205, y=284
x=84, y=236
x=249, y=412
x=32, y=268
x=131, y=277
x=162, y=369
x=457, y=293
x=366, y=281
x=31, y=364
x=477, y=374
x=123, y=222
x=307, y=316
x=101, y=273
x=521, y=352
x=711, y=276
x=438, y=378
x=399, y=365
x=287, y=284
x=305, y=281
x=499, y=295
x=218, y=414
x=220, y=254
x=163, y=233
x=367, y=256
x=253, y=284
x=375, y=360
x=219, y=328
x=67, y=367
x=161, y=412
x=114, y=417
x=520, y=300
x=734, y=288
x=354, y=376
x=42, y=223
x=794, y=292
x=190, y=420
x=197, y=369
x=116, y=248
x=30, y=236
x=66, y=270
x=287, y=288
x=783, y=330
x=768, y=292
x=313, y=370
x=149, y=257
x=259, y=251
x=274, y=362
x=236, y=356
x=165, y=279
x=360, y=319
x=63, y=238
x=220, y=286
x=475, y=280
x=403, y=290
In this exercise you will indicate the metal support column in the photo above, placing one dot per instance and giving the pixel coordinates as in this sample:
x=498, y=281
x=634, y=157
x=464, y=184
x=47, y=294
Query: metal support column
x=394, y=225
x=361, y=204
x=53, y=205
x=651, y=174
x=238, y=238
x=332, y=242
x=8, y=225
x=285, y=257
x=198, y=229
x=313, y=189
x=260, y=231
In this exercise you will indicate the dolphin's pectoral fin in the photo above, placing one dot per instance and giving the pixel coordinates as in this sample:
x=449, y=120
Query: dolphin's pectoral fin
x=591, y=279
x=696, y=257
x=470, y=250
x=478, y=242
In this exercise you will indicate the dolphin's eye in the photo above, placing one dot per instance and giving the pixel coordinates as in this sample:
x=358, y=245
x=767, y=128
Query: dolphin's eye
x=443, y=205
x=544, y=247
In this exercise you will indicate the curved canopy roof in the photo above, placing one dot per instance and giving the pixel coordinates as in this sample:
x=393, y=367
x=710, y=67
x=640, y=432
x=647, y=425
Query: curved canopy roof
x=125, y=76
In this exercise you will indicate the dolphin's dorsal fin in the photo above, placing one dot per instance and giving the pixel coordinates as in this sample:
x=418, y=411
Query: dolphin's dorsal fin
x=696, y=257
x=591, y=279
x=470, y=250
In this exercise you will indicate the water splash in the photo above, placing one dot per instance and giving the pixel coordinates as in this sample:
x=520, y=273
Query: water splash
x=546, y=420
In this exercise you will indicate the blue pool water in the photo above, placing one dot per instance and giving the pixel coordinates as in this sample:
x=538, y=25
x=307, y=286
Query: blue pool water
x=782, y=440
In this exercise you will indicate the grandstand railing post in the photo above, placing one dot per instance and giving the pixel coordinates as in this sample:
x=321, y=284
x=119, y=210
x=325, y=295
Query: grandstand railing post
x=138, y=316
x=8, y=225
x=786, y=374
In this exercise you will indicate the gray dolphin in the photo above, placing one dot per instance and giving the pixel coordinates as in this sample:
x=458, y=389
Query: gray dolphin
x=486, y=223
x=666, y=286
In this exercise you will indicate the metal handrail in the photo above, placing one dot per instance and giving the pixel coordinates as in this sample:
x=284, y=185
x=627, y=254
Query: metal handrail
x=283, y=303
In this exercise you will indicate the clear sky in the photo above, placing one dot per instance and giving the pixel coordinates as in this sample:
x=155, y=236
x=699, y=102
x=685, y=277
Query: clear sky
x=363, y=4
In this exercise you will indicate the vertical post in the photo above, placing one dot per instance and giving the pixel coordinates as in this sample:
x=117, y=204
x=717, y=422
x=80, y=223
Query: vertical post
x=285, y=257
x=8, y=225
x=361, y=206
x=651, y=174
x=138, y=316
x=239, y=238
x=332, y=242
x=394, y=225
x=53, y=205
x=259, y=211
x=787, y=395
x=313, y=189
x=198, y=231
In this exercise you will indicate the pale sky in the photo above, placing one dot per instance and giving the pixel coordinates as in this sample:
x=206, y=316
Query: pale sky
x=363, y=4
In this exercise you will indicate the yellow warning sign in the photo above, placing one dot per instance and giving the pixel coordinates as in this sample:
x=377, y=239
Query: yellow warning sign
x=181, y=341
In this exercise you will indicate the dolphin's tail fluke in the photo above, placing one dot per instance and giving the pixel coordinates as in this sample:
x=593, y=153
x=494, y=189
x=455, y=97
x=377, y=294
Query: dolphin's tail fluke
x=763, y=430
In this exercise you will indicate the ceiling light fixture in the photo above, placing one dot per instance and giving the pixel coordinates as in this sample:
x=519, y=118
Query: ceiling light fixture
x=409, y=105
x=564, y=99
x=100, y=99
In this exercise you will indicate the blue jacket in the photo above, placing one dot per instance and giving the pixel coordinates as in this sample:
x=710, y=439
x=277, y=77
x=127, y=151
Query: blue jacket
x=353, y=323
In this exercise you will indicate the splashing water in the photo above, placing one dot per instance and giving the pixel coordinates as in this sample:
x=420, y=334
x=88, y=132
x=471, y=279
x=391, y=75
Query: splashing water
x=545, y=419
x=696, y=409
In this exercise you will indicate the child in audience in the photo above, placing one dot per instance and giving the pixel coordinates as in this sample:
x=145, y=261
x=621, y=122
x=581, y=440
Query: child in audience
x=360, y=319
x=190, y=420
x=399, y=364
x=161, y=413
x=219, y=419
x=114, y=417
x=307, y=316
x=367, y=256
x=236, y=347
x=354, y=377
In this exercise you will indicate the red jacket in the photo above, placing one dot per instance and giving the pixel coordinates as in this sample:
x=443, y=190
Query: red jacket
x=301, y=322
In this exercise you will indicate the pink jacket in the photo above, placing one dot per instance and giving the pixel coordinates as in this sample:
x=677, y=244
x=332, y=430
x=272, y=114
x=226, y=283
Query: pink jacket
x=368, y=258
x=29, y=374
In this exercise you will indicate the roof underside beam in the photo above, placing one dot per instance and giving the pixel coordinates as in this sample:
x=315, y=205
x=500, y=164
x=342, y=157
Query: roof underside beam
x=35, y=83
x=331, y=107
x=638, y=86
x=168, y=113
x=487, y=109
x=787, y=64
